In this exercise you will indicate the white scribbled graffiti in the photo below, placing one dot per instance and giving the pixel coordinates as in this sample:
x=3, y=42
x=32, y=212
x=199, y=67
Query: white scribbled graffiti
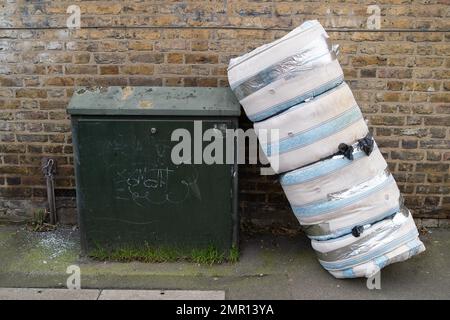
x=144, y=185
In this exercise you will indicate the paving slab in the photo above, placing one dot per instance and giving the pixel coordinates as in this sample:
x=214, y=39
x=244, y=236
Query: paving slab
x=161, y=295
x=48, y=294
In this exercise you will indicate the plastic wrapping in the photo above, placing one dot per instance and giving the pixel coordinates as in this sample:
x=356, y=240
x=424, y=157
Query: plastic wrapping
x=312, y=130
x=276, y=76
x=314, y=182
x=371, y=267
x=372, y=249
x=318, y=53
x=336, y=215
x=277, y=50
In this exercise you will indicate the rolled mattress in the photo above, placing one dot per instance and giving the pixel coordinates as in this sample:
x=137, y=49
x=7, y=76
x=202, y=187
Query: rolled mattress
x=391, y=240
x=312, y=130
x=290, y=70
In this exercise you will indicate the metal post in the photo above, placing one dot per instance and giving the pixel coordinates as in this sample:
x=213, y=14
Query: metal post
x=49, y=170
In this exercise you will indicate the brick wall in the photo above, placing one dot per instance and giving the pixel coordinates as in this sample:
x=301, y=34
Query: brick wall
x=399, y=75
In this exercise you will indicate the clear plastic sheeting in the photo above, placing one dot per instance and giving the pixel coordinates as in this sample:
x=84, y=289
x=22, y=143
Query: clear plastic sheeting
x=293, y=42
x=369, y=201
x=318, y=180
x=319, y=52
x=276, y=76
x=353, y=185
x=375, y=182
x=376, y=246
x=334, y=176
x=372, y=267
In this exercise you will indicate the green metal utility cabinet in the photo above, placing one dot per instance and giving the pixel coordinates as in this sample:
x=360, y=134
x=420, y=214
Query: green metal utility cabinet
x=129, y=191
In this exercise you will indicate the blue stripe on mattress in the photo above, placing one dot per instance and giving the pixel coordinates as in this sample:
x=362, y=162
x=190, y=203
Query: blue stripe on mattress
x=325, y=206
x=381, y=261
x=348, y=273
x=278, y=108
x=414, y=247
x=339, y=265
x=316, y=133
x=318, y=169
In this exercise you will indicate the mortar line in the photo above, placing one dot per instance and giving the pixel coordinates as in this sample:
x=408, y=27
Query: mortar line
x=227, y=28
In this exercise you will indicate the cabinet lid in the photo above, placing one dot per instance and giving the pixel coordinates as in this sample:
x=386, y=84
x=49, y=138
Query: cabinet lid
x=175, y=101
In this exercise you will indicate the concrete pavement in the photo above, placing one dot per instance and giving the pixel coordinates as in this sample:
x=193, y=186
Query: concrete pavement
x=270, y=267
x=105, y=294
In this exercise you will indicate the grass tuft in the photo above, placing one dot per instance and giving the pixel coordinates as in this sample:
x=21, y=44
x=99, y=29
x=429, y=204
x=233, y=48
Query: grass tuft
x=210, y=255
x=233, y=257
x=39, y=222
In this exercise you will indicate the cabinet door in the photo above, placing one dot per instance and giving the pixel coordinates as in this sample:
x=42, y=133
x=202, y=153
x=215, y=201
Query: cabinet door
x=131, y=193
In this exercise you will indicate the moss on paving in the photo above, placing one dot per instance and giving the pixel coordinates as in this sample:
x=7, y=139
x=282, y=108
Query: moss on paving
x=209, y=256
x=41, y=253
x=37, y=252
